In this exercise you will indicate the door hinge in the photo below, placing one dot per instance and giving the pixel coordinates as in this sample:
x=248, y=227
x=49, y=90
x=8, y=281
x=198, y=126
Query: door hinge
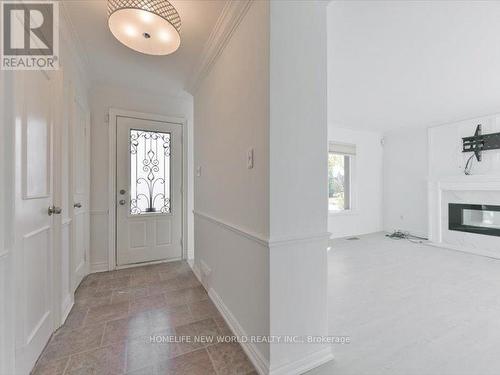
x=106, y=118
x=182, y=244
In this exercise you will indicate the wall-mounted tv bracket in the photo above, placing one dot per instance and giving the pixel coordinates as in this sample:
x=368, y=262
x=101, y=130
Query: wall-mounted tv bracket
x=481, y=142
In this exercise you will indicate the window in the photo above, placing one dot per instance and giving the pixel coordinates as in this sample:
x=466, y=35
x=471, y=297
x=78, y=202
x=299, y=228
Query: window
x=149, y=172
x=340, y=165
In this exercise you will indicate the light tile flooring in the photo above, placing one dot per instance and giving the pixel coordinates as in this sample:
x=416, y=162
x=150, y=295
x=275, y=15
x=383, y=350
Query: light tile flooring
x=109, y=329
x=412, y=309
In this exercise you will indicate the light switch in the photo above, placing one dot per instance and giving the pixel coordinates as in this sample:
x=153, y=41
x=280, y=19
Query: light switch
x=198, y=171
x=250, y=158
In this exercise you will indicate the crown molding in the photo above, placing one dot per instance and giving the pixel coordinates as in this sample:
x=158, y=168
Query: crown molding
x=69, y=34
x=229, y=19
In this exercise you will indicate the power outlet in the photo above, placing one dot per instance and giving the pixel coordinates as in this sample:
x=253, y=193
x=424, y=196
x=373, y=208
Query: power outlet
x=250, y=158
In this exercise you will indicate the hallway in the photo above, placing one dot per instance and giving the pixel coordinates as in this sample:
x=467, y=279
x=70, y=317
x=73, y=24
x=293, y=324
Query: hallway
x=131, y=321
x=153, y=137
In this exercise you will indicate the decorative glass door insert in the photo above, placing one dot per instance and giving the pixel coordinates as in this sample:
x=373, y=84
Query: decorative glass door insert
x=148, y=190
x=149, y=172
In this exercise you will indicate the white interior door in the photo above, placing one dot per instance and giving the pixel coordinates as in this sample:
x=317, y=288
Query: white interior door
x=148, y=191
x=80, y=123
x=33, y=251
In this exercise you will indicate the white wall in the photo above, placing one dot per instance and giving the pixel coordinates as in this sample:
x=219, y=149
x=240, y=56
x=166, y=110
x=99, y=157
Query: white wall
x=445, y=148
x=6, y=214
x=231, y=108
x=366, y=215
x=449, y=184
x=103, y=98
x=298, y=182
x=296, y=82
x=412, y=156
x=405, y=181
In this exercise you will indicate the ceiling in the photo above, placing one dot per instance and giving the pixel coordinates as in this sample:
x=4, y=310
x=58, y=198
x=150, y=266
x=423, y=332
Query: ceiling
x=111, y=63
x=395, y=64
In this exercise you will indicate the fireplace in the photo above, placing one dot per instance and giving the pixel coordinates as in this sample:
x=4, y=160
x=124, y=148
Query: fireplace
x=474, y=218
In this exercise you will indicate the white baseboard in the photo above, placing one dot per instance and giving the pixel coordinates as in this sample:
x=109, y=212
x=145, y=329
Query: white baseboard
x=205, y=269
x=66, y=307
x=304, y=364
x=197, y=273
x=98, y=267
x=260, y=363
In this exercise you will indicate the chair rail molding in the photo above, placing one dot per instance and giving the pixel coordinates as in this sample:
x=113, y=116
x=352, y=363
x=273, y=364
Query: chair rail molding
x=263, y=240
x=229, y=19
x=242, y=232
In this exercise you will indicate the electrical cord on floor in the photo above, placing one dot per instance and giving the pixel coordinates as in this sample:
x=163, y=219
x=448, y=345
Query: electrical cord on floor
x=404, y=235
x=468, y=168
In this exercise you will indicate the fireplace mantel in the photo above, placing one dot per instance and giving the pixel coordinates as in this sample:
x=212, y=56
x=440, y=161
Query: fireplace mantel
x=483, y=189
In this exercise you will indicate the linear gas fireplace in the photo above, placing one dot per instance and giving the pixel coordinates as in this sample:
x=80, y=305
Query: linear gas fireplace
x=474, y=218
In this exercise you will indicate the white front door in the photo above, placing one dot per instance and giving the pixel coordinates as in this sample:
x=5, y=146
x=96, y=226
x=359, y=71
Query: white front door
x=33, y=253
x=148, y=191
x=80, y=123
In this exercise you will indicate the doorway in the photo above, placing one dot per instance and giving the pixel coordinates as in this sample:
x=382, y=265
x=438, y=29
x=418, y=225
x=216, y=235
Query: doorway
x=148, y=197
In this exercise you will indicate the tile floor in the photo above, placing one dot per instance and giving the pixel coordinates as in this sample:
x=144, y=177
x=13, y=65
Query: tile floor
x=412, y=309
x=110, y=328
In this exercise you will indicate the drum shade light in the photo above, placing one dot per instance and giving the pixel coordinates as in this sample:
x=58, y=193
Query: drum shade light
x=151, y=27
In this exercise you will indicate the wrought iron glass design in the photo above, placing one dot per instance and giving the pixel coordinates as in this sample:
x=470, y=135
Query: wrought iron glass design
x=149, y=172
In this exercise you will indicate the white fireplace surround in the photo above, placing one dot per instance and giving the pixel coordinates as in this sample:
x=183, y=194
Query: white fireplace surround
x=461, y=189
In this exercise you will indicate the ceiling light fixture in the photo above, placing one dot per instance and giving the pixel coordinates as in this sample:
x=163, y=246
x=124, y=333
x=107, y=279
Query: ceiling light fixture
x=148, y=26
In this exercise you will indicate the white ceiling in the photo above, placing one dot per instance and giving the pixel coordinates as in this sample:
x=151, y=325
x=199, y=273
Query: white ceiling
x=412, y=63
x=112, y=63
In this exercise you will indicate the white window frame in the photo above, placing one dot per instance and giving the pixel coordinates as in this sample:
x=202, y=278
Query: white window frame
x=349, y=150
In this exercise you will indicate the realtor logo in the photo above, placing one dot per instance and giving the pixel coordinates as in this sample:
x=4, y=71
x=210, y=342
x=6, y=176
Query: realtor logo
x=29, y=35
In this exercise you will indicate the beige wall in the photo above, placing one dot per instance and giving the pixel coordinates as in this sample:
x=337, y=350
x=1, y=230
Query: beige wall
x=231, y=114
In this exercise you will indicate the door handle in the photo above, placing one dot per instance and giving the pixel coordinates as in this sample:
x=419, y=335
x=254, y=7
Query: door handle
x=77, y=205
x=53, y=210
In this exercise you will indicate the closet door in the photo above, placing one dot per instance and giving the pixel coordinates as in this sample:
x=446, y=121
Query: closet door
x=34, y=215
x=80, y=124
